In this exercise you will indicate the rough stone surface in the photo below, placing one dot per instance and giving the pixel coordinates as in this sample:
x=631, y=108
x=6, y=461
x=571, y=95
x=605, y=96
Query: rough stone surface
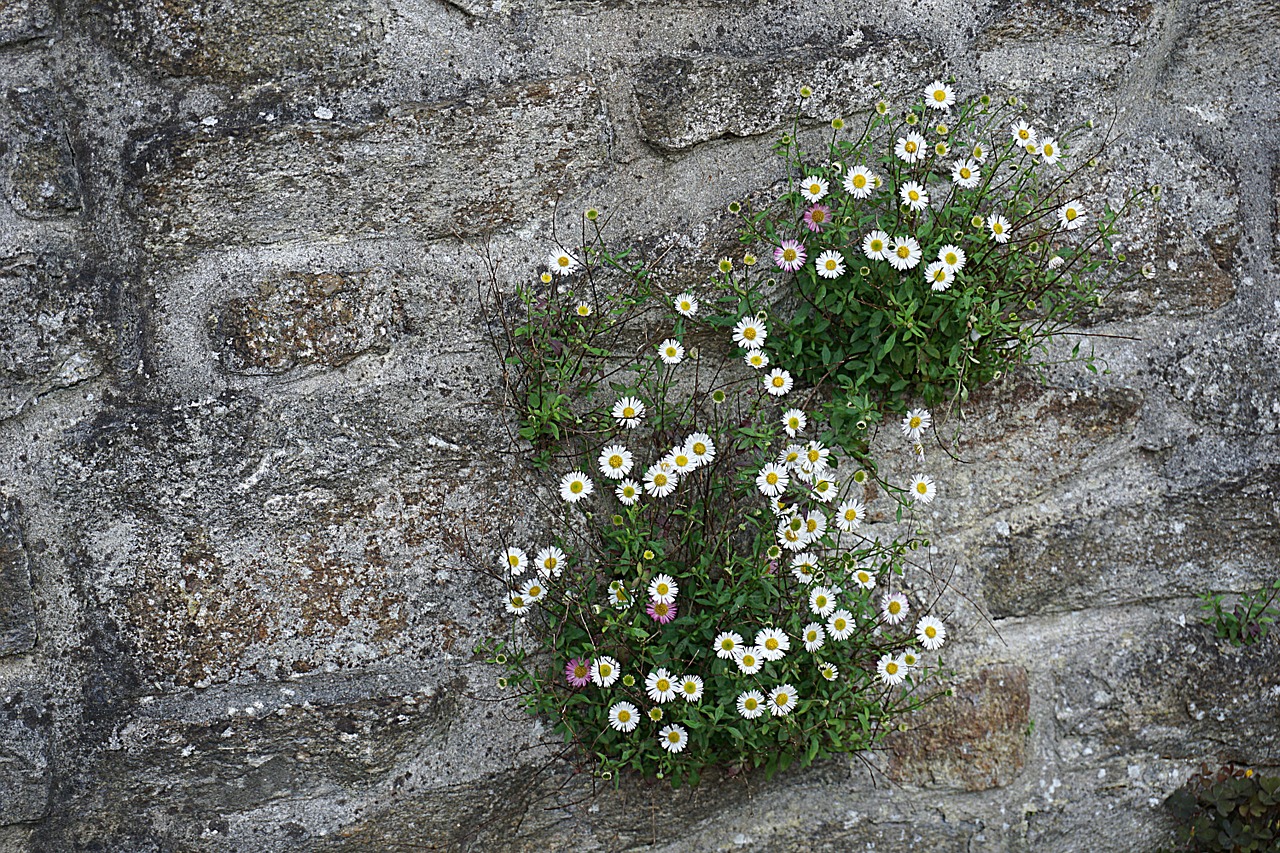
x=253, y=461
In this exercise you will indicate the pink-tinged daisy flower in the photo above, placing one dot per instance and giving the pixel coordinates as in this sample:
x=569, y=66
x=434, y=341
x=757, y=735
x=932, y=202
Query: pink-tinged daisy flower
x=813, y=188
x=578, y=672
x=789, y=256
x=661, y=611
x=817, y=217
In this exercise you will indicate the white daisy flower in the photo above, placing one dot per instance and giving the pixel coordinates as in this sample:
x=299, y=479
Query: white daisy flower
x=748, y=660
x=979, y=153
x=829, y=671
x=840, y=625
x=533, y=589
x=965, y=174
x=791, y=456
x=686, y=305
x=904, y=253
x=782, y=700
x=999, y=228
x=750, y=704
x=727, y=644
x=750, y=333
x=700, y=448
x=939, y=96
x=1049, y=150
x=659, y=481
x=931, y=633
x=1057, y=261
x=778, y=382
x=673, y=738
x=628, y=411
x=624, y=717
x=821, y=601
x=562, y=263
x=876, y=246
x=575, y=486
x=618, y=595
x=850, y=514
x=910, y=148
x=663, y=588
x=671, y=351
x=756, y=358
x=628, y=492
x=691, y=688
x=892, y=670
x=864, y=578
x=938, y=276
x=605, y=671
x=813, y=188
x=772, y=643
x=829, y=264
x=680, y=460
x=660, y=686
x=518, y=604
x=582, y=309
x=915, y=423
x=514, y=560
x=815, y=525
x=825, y=490
x=615, y=461
x=792, y=539
x=814, y=637
x=922, y=489
x=804, y=567
x=952, y=257
x=1069, y=215
x=909, y=659
x=859, y=182
x=550, y=562
x=894, y=606
x=816, y=455
x=772, y=480
x=794, y=421
x=1022, y=134
x=914, y=195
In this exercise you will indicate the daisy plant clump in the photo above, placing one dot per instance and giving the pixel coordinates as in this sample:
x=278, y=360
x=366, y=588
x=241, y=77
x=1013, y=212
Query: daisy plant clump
x=720, y=587
x=933, y=244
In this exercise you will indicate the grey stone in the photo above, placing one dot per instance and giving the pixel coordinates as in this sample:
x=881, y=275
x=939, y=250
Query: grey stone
x=25, y=775
x=17, y=606
x=23, y=20
x=43, y=179
x=415, y=172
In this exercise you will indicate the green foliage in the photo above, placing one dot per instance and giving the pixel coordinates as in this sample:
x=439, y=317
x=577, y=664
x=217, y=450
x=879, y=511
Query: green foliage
x=1234, y=809
x=881, y=336
x=1249, y=621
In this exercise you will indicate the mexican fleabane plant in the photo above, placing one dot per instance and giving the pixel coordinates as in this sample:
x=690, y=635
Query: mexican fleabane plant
x=933, y=245
x=718, y=588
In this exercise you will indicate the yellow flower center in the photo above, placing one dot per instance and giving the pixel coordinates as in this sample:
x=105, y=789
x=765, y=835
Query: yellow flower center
x=629, y=491
x=778, y=382
x=818, y=216
x=811, y=637
x=860, y=181
x=682, y=461
x=814, y=189
x=952, y=258
x=910, y=147
x=863, y=577
x=789, y=254
x=583, y=311
x=877, y=245
x=997, y=227
x=517, y=601
x=655, y=714
x=624, y=716
x=726, y=644
x=663, y=589
x=821, y=601
x=965, y=173
x=513, y=560
x=913, y=195
x=661, y=609
x=685, y=306
x=977, y=152
x=771, y=644
x=563, y=260
x=748, y=660
x=750, y=703
x=1072, y=213
x=1048, y=150
x=771, y=478
x=660, y=480
x=581, y=671
x=749, y=333
x=891, y=668
x=535, y=591
x=839, y=624
x=922, y=487
x=1024, y=135
x=615, y=461
x=850, y=515
x=605, y=669
x=894, y=607
x=575, y=486
x=673, y=737
x=904, y=252
x=699, y=448
x=811, y=525
x=690, y=688
x=781, y=700
x=930, y=631
x=663, y=685
x=940, y=275
x=550, y=562
x=628, y=412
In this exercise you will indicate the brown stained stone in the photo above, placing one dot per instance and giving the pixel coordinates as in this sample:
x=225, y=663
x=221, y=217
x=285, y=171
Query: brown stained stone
x=237, y=41
x=323, y=319
x=458, y=168
x=974, y=739
x=17, y=606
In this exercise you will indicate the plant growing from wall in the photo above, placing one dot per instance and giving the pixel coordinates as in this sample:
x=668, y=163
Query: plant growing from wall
x=1234, y=810
x=1249, y=621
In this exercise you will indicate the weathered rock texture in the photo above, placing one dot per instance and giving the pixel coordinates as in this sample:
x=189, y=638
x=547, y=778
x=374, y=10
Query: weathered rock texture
x=251, y=446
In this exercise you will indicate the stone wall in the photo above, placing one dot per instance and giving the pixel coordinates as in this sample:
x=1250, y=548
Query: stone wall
x=250, y=435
